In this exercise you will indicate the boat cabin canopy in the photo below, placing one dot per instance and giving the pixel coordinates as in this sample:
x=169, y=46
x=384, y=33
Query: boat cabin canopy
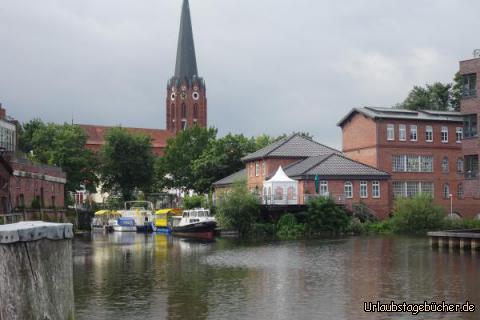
x=196, y=213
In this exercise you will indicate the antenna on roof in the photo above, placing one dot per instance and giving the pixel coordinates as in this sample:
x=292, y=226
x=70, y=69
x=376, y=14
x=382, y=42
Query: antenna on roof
x=476, y=53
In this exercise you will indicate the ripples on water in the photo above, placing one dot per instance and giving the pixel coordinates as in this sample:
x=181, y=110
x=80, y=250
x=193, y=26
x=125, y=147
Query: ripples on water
x=135, y=276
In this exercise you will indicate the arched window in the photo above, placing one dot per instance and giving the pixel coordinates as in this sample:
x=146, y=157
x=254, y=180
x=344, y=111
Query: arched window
x=445, y=165
x=278, y=193
x=460, y=165
x=195, y=111
x=348, y=190
x=460, y=191
x=446, y=191
x=184, y=110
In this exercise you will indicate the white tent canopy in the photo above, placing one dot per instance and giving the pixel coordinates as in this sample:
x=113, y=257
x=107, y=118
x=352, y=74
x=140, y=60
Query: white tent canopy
x=280, y=189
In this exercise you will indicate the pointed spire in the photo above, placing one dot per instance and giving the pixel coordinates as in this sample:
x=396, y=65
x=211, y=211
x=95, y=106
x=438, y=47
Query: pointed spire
x=186, y=65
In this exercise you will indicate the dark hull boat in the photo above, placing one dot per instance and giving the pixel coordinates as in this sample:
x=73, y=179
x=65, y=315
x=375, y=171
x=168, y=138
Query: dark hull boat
x=194, y=223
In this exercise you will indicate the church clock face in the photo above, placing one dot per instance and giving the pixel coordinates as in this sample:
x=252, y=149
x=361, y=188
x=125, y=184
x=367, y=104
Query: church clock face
x=173, y=96
x=183, y=95
x=195, y=95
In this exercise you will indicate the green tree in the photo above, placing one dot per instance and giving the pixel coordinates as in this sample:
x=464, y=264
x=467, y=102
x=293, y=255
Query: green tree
x=62, y=146
x=27, y=132
x=325, y=216
x=127, y=163
x=431, y=97
x=238, y=210
x=175, y=168
x=456, y=91
x=221, y=158
x=416, y=215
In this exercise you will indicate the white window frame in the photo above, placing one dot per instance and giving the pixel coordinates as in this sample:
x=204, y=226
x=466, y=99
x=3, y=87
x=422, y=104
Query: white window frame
x=444, y=134
x=402, y=132
x=363, y=189
x=429, y=133
x=413, y=132
x=348, y=189
x=459, y=134
x=375, y=189
x=323, y=188
x=390, y=132
x=264, y=168
x=257, y=169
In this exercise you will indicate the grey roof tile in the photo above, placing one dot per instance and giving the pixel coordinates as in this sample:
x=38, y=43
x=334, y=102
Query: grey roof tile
x=292, y=147
x=403, y=114
x=334, y=165
x=235, y=177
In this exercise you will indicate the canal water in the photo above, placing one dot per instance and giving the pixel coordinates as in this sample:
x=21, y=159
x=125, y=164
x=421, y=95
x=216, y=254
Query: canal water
x=136, y=276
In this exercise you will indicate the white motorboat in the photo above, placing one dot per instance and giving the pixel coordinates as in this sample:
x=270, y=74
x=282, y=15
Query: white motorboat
x=137, y=216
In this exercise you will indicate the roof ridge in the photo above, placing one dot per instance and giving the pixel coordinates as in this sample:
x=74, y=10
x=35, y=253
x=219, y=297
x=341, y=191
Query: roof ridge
x=320, y=162
x=281, y=144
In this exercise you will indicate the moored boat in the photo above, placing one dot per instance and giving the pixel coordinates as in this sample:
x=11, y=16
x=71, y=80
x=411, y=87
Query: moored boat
x=195, y=222
x=138, y=216
x=103, y=220
x=162, y=218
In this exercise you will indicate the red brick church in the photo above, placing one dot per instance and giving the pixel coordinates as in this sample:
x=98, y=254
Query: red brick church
x=186, y=101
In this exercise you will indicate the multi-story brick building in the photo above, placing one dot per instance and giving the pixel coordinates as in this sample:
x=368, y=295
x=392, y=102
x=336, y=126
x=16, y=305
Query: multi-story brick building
x=470, y=108
x=309, y=170
x=422, y=151
x=31, y=181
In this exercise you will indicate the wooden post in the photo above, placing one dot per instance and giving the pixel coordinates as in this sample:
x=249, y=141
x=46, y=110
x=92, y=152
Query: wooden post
x=475, y=244
x=36, y=275
x=454, y=243
x=464, y=243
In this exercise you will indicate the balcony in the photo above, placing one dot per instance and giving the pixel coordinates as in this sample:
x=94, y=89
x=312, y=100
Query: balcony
x=471, y=174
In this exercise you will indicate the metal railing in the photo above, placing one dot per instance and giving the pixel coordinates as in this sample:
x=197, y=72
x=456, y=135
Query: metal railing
x=11, y=218
x=467, y=92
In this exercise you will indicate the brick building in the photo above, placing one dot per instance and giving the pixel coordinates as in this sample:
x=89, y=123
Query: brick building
x=316, y=170
x=470, y=108
x=34, y=181
x=186, y=101
x=5, y=174
x=422, y=151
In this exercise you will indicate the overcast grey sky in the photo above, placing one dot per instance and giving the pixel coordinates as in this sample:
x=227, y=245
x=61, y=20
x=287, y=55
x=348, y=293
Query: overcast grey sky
x=270, y=66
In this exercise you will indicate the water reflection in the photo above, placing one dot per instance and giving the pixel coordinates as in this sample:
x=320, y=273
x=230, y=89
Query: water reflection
x=136, y=276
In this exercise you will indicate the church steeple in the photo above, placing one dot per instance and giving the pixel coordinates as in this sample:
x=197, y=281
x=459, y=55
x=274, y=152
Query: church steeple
x=186, y=103
x=186, y=65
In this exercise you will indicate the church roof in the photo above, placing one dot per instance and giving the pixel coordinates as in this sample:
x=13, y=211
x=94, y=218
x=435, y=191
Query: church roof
x=186, y=65
x=96, y=134
x=294, y=146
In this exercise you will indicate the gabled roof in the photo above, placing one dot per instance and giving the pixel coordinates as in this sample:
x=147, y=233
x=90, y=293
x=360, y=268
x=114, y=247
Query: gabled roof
x=403, y=114
x=96, y=134
x=231, y=179
x=333, y=166
x=294, y=146
x=186, y=65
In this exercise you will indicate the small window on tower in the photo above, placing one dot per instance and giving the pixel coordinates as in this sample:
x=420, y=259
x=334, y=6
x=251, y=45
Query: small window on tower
x=195, y=111
x=184, y=110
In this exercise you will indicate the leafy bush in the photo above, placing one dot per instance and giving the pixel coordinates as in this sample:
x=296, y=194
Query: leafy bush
x=325, y=216
x=262, y=229
x=36, y=203
x=382, y=227
x=417, y=215
x=195, y=201
x=355, y=226
x=288, y=228
x=1, y=221
x=363, y=213
x=238, y=210
x=461, y=224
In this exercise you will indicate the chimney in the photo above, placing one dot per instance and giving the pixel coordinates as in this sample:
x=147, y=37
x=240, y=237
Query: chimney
x=3, y=112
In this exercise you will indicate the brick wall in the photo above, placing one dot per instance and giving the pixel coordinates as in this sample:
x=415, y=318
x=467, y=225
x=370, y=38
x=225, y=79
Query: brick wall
x=34, y=181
